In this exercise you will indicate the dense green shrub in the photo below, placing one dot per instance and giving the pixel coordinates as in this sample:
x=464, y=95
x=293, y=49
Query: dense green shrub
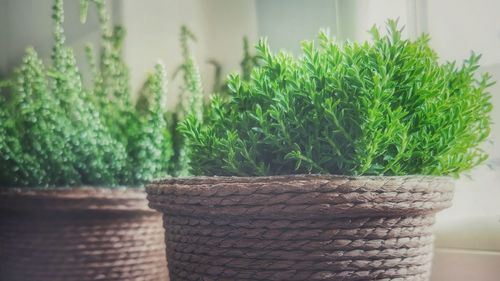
x=382, y=108
x=56, y=132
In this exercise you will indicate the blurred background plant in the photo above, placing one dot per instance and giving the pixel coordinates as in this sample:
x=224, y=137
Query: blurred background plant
x=56, y=132
x=190, y=101
x=140, y=127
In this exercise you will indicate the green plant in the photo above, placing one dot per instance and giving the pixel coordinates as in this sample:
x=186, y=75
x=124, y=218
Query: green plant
x=34, y=130
x=190, y=102
x=56, y=132
x=138, y=127
x=382, y=108
x=191, y=86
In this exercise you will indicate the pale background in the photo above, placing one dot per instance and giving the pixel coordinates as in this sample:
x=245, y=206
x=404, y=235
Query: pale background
x=468, y=234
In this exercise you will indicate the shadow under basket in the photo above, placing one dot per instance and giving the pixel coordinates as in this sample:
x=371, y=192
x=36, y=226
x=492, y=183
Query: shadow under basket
x=304, y=227
x=80, y=234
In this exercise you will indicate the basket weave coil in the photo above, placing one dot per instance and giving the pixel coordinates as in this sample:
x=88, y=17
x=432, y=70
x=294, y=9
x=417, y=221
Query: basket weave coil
x=80, y=235
x=304, y=227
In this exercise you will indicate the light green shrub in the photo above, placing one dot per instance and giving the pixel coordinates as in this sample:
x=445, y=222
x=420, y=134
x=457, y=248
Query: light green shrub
x=385, y=107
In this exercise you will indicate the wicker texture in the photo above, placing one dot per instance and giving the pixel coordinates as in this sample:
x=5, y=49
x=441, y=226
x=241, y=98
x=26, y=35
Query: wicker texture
x=302, y=227
x=79, y=235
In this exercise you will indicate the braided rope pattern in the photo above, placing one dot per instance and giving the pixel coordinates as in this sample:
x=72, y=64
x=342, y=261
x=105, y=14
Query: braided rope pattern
x=300, y=227
x=81, y=245
x=76, y=199
x=304, y=197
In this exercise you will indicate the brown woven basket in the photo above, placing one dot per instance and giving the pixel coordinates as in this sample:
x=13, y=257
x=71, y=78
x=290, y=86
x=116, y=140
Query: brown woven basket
x=302, y=227
x=80, y=234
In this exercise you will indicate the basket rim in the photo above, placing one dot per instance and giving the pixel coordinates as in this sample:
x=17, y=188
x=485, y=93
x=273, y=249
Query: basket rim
x=301, y=196
x=193, y=180
x=74, y=198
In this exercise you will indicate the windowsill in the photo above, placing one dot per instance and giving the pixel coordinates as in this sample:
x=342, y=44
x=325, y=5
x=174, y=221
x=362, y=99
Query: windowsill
x=474, y=233
x=465, y=265
x=473, y=222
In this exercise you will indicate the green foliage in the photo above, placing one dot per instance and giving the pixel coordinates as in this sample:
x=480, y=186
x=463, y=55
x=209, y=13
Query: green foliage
x=149, y=139
x=32, y=133
x=190, y=102
x=98, y=156
x=382, y=108
x=55, y=132
x=191, y=89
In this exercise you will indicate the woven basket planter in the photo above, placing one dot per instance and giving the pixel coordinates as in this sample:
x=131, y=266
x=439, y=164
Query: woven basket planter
x=80, y=234
x=300, y=227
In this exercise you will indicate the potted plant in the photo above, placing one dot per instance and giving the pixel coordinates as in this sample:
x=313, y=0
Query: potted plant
x=68, y=154
x=329, y=166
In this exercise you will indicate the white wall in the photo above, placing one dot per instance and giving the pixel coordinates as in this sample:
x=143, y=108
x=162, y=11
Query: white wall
x=3, y=40
x=153, y=33
x=460, y=26
x=287, y=23
x=227, y=21
x=356, y=17
x=26, y=23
